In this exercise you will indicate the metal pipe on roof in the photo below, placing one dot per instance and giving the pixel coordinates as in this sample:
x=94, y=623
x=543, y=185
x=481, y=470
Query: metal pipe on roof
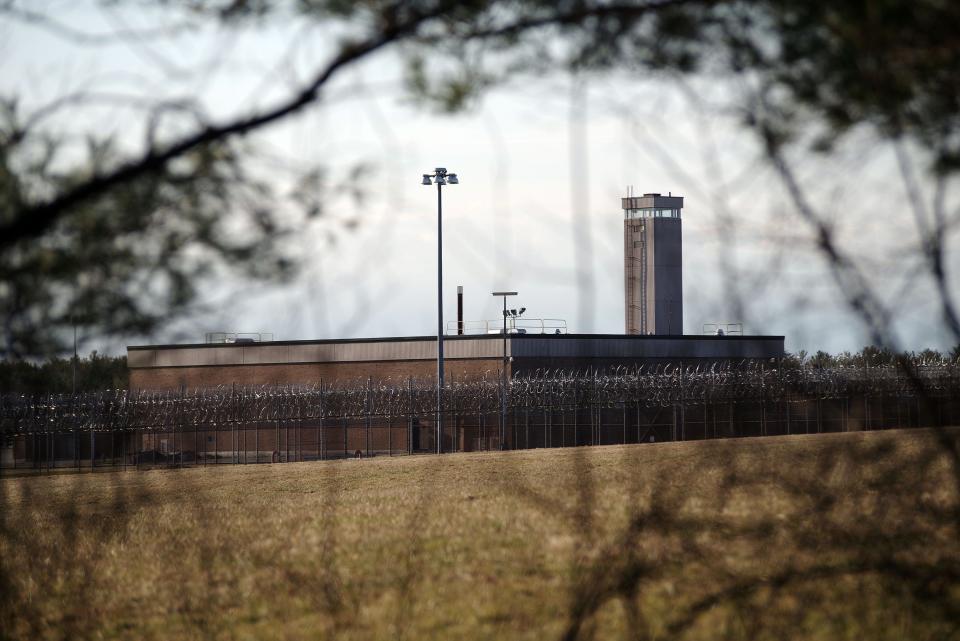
x=460, y=309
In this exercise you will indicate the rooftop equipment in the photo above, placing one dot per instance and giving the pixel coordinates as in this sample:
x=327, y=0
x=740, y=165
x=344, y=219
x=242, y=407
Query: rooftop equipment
x=723, y=329
x=238, y=337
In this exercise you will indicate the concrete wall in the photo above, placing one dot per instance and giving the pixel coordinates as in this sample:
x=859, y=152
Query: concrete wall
x=642, y=347
x=639, y=285
x=667, y=276
x=653, y=276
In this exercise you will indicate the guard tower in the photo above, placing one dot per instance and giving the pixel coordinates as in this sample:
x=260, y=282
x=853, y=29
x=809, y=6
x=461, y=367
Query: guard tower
x=653, y=264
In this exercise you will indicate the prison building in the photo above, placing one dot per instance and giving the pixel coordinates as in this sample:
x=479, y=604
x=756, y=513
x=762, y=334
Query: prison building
x=197, y=366
x=653, y=264
x=231, y=434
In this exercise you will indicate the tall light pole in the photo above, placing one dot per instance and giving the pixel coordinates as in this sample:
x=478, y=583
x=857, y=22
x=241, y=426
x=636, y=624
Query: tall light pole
x=503, y=373
x=441, y=178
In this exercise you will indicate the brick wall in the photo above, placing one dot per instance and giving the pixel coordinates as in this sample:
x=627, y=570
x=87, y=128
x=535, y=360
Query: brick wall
x=161, y=378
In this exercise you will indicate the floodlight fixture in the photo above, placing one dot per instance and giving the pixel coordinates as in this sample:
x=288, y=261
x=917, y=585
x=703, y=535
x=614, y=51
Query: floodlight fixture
x=441, y=178
x=522, y=310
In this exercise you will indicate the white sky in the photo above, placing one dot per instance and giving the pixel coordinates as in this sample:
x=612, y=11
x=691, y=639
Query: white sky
x=532, y=203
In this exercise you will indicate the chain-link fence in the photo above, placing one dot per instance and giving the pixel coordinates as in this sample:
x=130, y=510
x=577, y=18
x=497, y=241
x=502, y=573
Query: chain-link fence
x=240, y=424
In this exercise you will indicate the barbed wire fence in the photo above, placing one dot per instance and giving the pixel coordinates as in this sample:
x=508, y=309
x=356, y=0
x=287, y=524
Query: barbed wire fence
x=549, y=408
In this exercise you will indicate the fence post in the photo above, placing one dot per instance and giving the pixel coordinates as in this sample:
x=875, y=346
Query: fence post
x=788, y=417
x=196, y=445
x=241, y=433
x=320, y=430
x=819, y=406
x=234, y=440
x=763, y=399
x=673, y=427
x=563, y=423
x=137, y=439
x=549, y=408
x=548, y=423
x=780, y=390
x=576, y=408
x=881, y=422
x=481, y=426
x=866, y=412
x=3, y=438
x=682, y=408
x=410, y=415
x=179, y=427
x=512, y=412
x=367, y=422
x=123, y=434
x=504, y=403
x=76, y=431
x=526, y=422
x=242, y=426
x=452, y=422
x=592, y=403
x=638, y=419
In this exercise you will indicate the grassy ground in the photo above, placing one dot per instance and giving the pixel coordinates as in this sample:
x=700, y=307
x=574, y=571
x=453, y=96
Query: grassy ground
x=832, y=536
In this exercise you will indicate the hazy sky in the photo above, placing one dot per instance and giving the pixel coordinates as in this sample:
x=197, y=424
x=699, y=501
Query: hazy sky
x=542, y=165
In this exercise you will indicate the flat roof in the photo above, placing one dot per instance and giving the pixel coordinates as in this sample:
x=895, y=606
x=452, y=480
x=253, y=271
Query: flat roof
x=483, y=346
x=461, y=337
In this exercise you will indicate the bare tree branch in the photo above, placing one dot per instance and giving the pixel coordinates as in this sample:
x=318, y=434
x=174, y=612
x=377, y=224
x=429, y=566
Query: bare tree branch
x=33, y=221
x=58, y=28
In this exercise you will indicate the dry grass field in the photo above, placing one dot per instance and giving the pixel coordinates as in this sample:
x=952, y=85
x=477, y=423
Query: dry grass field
x=850, y=536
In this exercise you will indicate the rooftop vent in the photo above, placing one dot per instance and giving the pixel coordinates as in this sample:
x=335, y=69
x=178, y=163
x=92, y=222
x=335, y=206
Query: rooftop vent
x=515, y=325
x=239, y=337
x=723, y=329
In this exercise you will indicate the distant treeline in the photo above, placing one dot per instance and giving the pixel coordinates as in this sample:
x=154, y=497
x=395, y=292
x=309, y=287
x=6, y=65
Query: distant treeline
x=869, y=357
x=55, y=376
x=97, y=372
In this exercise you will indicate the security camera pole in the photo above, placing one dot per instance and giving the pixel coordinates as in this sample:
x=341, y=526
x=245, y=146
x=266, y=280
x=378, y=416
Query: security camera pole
x=503, y=374
x=441, y=177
